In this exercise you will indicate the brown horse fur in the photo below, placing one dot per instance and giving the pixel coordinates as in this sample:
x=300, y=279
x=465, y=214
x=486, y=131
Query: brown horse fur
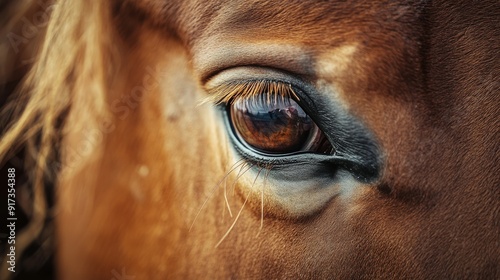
x=141, y=160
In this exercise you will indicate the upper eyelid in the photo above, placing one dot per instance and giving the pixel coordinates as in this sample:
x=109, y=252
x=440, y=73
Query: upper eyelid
x=304, y=87
x=226, y=92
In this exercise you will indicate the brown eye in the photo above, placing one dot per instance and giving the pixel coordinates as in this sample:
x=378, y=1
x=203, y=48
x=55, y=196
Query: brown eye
x=275, y=124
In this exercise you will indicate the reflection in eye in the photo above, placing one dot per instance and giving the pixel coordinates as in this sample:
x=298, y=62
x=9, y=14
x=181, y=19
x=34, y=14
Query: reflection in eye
x=267, y=118
x=275, y=125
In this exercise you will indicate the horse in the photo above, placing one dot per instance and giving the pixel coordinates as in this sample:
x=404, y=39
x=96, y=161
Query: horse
x=259, y=139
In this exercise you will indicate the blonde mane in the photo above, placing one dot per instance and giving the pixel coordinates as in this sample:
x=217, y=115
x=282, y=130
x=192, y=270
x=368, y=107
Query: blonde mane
x=72, y=65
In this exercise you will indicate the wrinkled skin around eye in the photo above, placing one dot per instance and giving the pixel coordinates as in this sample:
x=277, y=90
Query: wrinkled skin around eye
x=275, y=125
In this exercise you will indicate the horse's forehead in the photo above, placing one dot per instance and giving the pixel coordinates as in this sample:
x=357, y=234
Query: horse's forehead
x=290, y=20
x=304, y=35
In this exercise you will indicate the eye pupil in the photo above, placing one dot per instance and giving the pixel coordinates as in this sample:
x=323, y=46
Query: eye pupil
x=272, y=124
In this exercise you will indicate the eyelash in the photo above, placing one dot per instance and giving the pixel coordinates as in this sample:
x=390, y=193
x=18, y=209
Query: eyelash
x=228, y=93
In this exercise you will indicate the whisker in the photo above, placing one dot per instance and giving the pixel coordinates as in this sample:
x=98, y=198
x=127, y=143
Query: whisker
x=225, y=198
x=236, y=165
x=262, y=201
x=225, y=187
x=239, y=176
x=239, y=213
x=223, y=213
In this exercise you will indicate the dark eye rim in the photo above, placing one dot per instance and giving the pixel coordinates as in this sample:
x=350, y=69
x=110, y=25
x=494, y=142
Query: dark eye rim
x=356, y=148
x=262, y=159
x=305, y=104
x=259, y=160
x=235, y=134
x=240, y=137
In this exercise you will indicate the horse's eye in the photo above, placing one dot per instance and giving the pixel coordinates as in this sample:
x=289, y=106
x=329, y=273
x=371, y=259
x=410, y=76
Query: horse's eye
x=275, y=124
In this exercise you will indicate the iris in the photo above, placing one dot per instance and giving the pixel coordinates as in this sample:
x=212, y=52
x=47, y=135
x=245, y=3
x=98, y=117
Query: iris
x=275, y=124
